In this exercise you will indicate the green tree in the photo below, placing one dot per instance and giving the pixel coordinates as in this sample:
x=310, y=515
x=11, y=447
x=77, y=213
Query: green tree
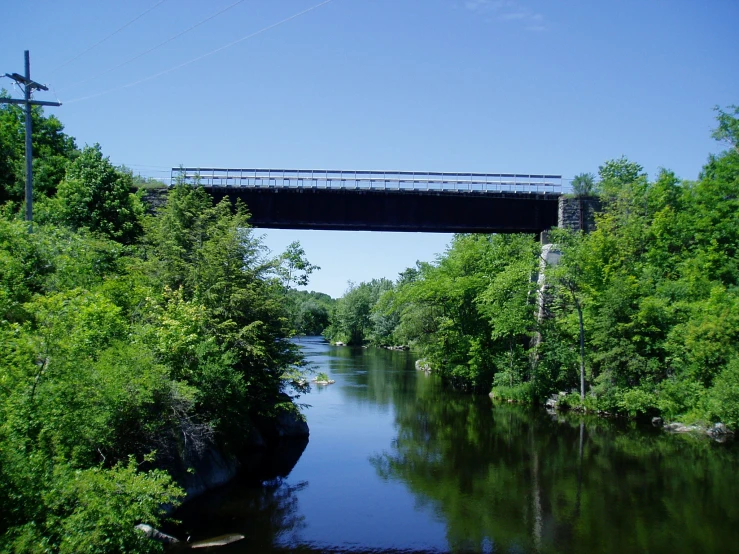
x=52, y=151
x=566, y=278
x=728, y=126
x=122, y=363
x=509, y=303
x=310, y=311
x=96, y=196
x=351, y=321
x=583, y=184
x=294, y=268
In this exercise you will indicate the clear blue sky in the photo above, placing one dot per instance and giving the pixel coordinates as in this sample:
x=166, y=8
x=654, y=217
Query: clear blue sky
x=520, y=86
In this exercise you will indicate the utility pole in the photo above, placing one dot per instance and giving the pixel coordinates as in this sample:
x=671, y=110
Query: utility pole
x=28, y=86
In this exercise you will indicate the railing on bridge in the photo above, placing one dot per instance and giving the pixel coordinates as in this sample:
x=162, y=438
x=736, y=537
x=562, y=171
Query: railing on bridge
x=368, y=180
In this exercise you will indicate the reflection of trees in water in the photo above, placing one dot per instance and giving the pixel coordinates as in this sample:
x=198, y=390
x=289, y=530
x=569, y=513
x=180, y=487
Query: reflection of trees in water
x=517, y=480
x=278, y=505
x=265, y=515
x=258, y=504
x=374, y=375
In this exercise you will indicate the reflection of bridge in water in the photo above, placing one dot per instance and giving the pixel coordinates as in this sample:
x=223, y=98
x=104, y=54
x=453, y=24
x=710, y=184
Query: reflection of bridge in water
x=386, y=200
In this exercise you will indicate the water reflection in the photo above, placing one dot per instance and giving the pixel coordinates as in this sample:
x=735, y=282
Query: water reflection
x=259, y=504
x=520, y=481
x=396, y=463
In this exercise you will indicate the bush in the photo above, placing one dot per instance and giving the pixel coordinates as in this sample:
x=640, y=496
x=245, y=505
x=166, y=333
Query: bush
x=676, y=397
x=522, y=392
x=97, y=196
x=94, y=511
x=723, y=397
x=637, y=402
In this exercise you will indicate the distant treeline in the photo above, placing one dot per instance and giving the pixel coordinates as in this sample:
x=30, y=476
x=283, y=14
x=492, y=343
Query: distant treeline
x=129, y=344
x=653, y=294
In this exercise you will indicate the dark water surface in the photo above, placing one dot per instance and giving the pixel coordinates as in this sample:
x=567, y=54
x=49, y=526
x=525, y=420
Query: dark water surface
x=396, y=463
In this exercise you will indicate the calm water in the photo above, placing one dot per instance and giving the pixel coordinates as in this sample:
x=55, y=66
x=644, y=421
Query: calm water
x=396, y=463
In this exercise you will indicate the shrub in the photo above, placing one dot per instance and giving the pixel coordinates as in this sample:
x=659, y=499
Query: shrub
x=723, y=397
x=94, y=511
x=522, y=392
x=637, y=402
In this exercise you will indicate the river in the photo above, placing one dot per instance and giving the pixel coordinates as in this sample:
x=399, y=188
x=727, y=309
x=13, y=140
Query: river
x=396, y=463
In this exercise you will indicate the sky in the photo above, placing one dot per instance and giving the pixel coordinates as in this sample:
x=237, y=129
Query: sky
x=492, y=86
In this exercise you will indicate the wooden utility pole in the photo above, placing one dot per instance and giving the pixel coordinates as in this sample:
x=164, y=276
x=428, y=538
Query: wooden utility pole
x=28, y=86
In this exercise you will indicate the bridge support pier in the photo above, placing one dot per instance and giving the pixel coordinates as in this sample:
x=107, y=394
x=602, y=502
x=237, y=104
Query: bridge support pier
x=578, y=212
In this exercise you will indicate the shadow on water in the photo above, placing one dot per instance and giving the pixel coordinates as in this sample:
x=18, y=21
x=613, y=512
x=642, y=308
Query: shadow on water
x=258, y=503
x=398, y=464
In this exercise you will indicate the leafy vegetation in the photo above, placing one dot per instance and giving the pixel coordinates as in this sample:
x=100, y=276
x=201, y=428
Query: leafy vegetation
x=128, y=345
x=352, y=319
x=309, y=311
x=639, y=317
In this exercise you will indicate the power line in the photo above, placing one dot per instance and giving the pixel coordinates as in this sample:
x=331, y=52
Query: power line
x=170, y=39
x=180, y=66
x=85, y=51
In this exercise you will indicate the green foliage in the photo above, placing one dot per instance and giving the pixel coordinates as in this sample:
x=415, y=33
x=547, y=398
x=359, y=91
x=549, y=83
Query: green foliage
x=310, y=311
x=723, y=397
x=637, y=401
x=352, y=320
x=677, y=397
x=96, y=196
x=620, y=174
x=52, y=150
x=524, y=393
x=152, y=350
x=96, y=510
x=728, y=126
x=295, y=267
x=584, y=184
x=642, y=312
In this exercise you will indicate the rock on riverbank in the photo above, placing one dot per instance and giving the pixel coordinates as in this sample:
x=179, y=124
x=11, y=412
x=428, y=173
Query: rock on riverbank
x=201, y=468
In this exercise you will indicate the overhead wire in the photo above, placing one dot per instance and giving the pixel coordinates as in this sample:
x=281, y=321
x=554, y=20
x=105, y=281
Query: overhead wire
x=193, y=60
x=98, y=43
x=150, y=50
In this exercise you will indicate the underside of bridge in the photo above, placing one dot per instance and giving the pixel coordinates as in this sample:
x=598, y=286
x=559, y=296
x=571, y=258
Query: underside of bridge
x=371, y=210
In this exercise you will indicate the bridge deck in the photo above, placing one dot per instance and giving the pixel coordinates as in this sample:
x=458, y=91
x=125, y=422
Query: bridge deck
x=369, y=180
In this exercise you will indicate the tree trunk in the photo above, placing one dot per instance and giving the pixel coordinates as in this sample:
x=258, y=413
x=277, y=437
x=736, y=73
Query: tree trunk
x=582, y=345
x=510, y=352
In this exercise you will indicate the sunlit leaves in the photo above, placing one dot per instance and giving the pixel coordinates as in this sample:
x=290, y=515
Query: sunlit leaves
x=96, y=196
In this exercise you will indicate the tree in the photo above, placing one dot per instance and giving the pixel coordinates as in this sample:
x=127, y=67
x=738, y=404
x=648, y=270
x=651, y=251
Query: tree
x=567, y=279
x=583, y=184
x=620, y=171
x=728, y=126
x=618, y=177
x=508, y=303
x=96, y=196
x=352, y=318
x=294, y=267
x=52, y=150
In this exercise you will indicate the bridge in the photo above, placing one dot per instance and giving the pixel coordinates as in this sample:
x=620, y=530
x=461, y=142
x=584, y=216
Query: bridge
x=386, y=200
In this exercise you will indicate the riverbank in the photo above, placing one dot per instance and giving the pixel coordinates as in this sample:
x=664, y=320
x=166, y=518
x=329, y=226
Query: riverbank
x=199, y=470
x=398, y=462
x=564, y=403
x=144, y=361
